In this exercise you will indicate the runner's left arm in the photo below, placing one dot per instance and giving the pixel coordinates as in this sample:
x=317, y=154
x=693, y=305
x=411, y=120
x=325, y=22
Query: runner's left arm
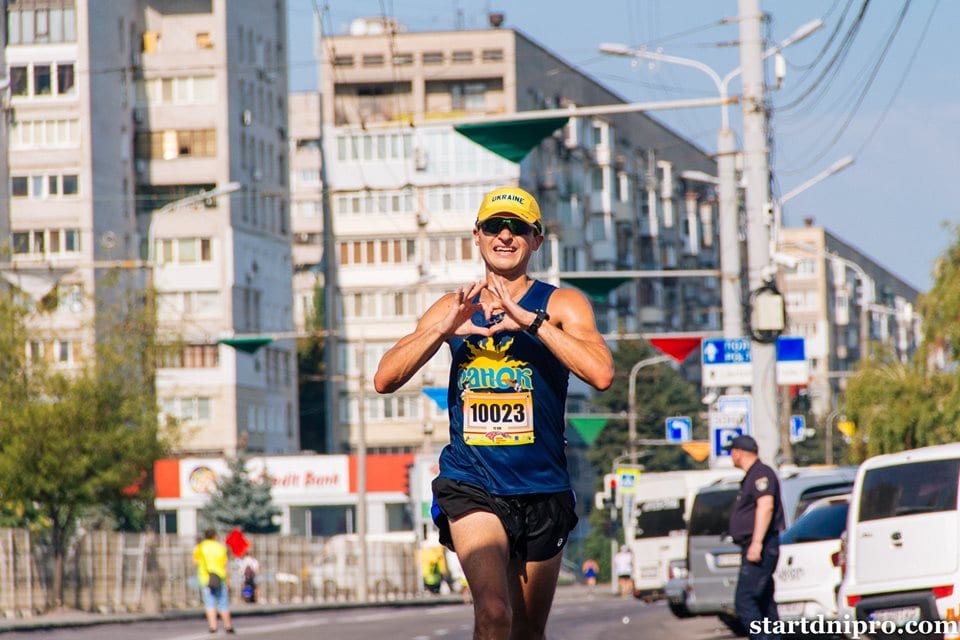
x=570, y=333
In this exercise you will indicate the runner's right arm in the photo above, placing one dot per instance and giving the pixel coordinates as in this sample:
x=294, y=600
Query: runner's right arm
x=448, y=316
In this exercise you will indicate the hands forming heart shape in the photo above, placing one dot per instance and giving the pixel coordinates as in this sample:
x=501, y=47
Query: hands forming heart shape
x=502, y=311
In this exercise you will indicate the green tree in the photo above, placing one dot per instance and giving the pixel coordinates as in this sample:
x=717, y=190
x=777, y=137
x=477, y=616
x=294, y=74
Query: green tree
x=902, y=405
x=310, y=372
x=242, y=501
x=72, y=440
x=661, y=392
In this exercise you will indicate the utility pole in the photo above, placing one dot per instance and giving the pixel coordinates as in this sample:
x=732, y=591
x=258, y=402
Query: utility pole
x=757, y=173
x=362, y=475
x=729, y=232
x=330, y=342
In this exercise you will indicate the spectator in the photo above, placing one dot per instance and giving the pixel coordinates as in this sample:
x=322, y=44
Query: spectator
x=248, y=568
x=590, y=570
x=433, y=565
x=623, y=567
x=210, y=556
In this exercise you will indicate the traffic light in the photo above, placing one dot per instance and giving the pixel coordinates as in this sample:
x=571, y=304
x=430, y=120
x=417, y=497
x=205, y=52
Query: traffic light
x=800, y=399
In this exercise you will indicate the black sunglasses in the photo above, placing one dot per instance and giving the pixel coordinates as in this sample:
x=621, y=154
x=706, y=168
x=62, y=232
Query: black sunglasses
x=493, y=226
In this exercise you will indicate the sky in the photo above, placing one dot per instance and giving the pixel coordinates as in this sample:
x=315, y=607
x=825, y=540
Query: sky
x=880, y=85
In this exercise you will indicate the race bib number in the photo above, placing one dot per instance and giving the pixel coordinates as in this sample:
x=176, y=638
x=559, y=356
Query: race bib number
x=496, y=419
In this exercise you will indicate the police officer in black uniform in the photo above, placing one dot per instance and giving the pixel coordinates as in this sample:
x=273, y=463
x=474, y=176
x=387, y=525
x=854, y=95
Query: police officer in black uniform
x=755, y=524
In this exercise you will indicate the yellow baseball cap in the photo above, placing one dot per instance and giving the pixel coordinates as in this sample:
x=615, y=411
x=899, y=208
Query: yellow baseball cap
x=512, y=200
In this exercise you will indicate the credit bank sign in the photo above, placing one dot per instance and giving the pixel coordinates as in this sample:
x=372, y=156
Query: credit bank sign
x=291, y=476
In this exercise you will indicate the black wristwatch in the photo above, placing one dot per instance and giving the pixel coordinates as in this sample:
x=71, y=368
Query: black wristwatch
x=535, y=325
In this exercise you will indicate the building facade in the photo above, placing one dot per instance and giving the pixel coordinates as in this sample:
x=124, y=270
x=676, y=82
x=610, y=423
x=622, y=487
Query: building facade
x=122, y=113
x=404, y=187
x=844, y=304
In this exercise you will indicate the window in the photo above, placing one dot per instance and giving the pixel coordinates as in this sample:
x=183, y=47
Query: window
x=18, y=186
x=43, y=186
x=70, y=184
x=308, y=144
x=46, y=241
x=63, y=352
x=432, y=57
x=711, y=512
x=373, y=60
x=183, y=251
x=596, y=179
x=343, y=61
x=41, y=21
x=824, y=523
x=191, y=356
x=21, y=242
x=204, y=41
x=171, y=144
x=659, y=518
x=492, y=55
x=189, y=409
x=403, y=59
x=464, y=56
x=44, y=134
x=65, y=79
x=19, y=81
x=908, y=489
x=41, y=80
x=69, y=297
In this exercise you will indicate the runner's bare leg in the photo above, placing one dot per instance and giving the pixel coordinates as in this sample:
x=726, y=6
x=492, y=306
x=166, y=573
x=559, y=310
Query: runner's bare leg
x=532, y=586
x=483, y=549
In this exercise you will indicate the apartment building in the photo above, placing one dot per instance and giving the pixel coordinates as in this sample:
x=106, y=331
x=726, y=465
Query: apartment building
x=405, y=185
x=844, y=303
x=123, y=112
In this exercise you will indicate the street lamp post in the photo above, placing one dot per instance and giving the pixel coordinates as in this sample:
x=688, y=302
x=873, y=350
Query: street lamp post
x=730, y=263
x=828, y=426
x=632, y=401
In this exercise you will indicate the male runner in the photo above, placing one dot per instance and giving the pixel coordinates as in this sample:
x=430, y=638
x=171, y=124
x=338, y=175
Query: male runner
x=503, y=499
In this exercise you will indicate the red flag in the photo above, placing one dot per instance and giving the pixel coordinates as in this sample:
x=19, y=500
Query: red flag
x=676, y=348
x=237, y=542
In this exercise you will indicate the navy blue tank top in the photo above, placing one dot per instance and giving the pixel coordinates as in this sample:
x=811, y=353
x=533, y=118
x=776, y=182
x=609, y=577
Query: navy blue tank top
x=506, y=397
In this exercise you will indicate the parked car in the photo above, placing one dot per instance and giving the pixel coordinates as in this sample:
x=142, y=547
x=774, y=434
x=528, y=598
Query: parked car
x=675, y=590
x=713, y=560
x=808, y=574
x=659, y=527
x=903, y=538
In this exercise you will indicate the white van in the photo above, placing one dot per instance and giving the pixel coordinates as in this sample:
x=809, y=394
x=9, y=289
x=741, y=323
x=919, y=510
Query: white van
x=391, y=566
x=903, y=538
x=662, y=506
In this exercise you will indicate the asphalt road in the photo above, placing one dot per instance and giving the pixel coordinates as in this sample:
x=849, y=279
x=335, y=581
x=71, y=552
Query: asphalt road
x=577, y=615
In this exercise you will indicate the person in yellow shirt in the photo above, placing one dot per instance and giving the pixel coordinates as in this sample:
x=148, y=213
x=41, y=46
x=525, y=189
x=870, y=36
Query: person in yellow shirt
x=210, y=556
x=433, y=566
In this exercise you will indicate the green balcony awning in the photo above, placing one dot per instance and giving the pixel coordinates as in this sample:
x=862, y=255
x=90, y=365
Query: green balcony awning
x=597, y=288
x=247, y=345
x=512, y=140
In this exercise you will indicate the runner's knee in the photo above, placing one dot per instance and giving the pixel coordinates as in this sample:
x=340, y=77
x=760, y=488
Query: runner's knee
x=492, y=612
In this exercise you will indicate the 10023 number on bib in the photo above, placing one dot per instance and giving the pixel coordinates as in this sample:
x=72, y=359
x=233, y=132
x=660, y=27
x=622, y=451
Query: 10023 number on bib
x=497, y=419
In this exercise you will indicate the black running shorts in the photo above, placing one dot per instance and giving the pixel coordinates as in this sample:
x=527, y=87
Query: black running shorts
x=537, y=524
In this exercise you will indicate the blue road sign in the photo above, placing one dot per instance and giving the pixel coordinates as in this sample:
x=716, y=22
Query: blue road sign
x=798, y=428
x=679, y=429
x=791, y=349
x=726, y=351
x=726, y=362
x=722, y=436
